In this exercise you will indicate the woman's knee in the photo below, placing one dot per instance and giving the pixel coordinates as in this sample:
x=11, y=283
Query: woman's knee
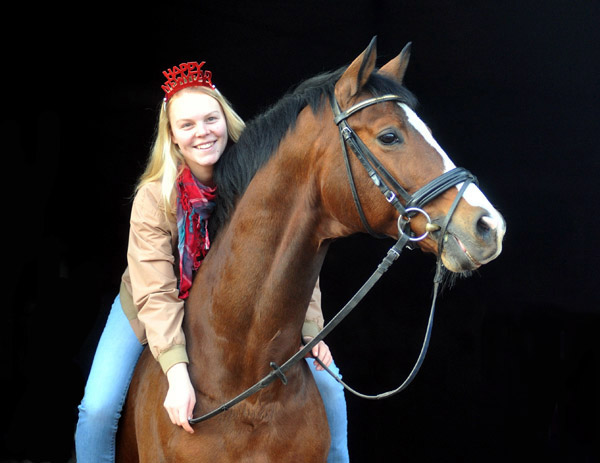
x=100, y=411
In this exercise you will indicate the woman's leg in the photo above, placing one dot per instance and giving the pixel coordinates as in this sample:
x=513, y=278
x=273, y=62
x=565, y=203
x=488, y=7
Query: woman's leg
x=114, y=362
x=334, y=400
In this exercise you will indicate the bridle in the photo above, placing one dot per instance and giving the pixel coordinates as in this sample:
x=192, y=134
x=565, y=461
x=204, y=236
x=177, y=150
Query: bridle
x=387, y=184
x=413, y=205
x=392, y=191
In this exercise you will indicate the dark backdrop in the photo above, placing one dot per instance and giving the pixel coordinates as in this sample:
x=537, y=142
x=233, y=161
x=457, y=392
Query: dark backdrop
x=510, y=90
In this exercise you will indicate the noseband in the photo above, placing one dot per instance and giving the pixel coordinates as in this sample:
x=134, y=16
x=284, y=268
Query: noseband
x=413, y=205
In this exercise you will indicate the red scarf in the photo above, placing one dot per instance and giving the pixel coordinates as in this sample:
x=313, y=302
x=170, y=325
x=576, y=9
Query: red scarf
x=195, y=202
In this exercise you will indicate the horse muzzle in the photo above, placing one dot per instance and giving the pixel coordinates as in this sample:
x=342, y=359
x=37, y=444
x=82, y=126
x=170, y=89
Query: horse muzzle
x=471, y=241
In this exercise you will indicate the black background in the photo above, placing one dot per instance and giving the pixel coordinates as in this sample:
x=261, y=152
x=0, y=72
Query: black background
x=510, y=90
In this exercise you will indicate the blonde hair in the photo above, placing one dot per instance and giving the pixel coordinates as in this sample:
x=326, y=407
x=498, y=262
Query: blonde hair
x=166, y=161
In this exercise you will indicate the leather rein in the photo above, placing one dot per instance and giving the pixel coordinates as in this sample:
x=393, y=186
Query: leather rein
x=391, y=189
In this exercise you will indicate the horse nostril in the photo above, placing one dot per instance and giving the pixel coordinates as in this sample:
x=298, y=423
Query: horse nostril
x=485, y=225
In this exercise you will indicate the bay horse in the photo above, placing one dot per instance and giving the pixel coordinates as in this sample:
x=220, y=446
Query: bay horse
x=285, y=195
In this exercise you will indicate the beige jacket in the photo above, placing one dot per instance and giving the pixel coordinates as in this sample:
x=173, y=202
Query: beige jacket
x=149, y=293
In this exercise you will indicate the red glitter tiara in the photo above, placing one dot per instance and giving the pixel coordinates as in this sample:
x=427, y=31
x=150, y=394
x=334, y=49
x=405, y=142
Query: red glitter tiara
x=186, y=75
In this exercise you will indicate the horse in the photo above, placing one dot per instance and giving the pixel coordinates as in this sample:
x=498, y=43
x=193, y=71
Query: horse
x=285, y=196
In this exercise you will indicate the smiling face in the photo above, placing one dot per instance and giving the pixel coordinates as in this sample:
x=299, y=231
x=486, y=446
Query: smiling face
x=199, y=129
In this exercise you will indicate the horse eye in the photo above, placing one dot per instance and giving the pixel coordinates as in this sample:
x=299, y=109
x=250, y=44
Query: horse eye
x=389, y=138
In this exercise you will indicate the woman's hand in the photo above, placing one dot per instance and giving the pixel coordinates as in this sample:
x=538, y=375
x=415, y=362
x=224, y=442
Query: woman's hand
x=181, y=397
x=320, y=351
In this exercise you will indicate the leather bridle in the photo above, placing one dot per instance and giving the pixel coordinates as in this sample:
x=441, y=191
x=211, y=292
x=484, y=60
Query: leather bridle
x=413, y=205
x=387, y=184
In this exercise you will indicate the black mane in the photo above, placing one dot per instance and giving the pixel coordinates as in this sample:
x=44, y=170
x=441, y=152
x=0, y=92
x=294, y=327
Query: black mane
x=262, y=136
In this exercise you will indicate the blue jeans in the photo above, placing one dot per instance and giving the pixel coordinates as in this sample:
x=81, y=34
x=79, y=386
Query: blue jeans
x=334, y=400
x=117, y=354
x=107, y=385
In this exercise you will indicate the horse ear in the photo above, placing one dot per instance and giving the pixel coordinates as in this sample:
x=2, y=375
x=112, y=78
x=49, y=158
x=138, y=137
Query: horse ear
x=357, y=74
x=396, y=68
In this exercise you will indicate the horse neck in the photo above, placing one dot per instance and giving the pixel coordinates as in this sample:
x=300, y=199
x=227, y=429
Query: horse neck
x=250, y=297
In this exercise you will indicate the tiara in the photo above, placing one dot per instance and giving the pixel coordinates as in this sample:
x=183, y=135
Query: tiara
x=186, y=75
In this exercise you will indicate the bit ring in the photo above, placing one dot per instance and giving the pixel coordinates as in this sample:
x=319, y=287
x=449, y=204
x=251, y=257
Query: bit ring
x=402, y=220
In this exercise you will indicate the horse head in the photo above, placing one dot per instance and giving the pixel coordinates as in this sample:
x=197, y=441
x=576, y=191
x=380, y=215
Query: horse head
x=460, y=225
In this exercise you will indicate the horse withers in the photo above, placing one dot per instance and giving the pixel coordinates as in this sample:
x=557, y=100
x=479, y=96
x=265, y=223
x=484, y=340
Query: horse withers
x=285, y=196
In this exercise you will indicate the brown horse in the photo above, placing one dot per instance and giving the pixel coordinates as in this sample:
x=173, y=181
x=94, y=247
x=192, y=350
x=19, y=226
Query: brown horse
x=247, y=305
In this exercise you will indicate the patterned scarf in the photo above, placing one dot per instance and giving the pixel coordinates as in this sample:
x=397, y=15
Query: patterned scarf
x=195, y=202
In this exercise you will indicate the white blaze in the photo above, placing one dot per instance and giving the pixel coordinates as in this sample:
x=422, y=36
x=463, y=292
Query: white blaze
x=473, y=194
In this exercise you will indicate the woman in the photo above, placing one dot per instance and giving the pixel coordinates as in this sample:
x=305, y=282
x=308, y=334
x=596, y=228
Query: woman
x=168, y=240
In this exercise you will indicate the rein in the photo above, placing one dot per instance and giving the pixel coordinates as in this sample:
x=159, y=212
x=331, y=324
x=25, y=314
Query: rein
x=391, y=189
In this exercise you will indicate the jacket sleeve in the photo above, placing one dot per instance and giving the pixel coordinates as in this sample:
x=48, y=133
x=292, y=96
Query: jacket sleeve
x=151, y=260
x=313, y=323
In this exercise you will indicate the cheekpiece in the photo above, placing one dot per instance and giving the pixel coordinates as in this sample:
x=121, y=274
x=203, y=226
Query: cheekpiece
x=186, y=75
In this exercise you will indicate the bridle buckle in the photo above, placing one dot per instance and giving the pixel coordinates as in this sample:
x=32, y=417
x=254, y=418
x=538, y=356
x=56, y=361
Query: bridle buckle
x=390, y=196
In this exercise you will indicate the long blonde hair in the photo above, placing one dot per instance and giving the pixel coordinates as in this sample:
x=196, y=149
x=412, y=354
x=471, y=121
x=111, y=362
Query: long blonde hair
x=166, y=161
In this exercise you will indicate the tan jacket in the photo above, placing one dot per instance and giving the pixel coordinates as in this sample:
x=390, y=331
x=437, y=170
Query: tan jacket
x=149, y=293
